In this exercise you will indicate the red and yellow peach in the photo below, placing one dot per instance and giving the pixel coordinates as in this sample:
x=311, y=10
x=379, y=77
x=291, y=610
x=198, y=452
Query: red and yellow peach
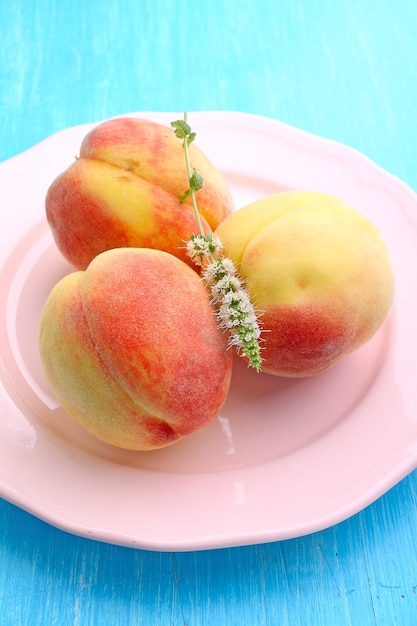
x=124, y=190
x=320, y=272
x=131, y=348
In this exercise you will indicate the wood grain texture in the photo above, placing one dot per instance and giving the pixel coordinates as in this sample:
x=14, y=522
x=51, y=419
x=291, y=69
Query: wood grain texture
x=345, y=70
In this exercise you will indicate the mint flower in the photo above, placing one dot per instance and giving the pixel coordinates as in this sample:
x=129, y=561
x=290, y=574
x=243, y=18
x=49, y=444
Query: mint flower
x=201, y=247
x=235, y=311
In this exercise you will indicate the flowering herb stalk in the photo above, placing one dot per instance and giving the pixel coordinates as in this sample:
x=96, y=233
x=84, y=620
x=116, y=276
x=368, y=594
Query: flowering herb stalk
x=231, y=301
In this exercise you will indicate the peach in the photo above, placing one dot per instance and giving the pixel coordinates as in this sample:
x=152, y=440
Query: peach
x=131, y=348
x=124, y=191
x=320, y=272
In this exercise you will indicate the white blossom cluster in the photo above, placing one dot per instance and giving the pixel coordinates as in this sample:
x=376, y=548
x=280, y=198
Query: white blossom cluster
x=235, y=311
x=202, y=247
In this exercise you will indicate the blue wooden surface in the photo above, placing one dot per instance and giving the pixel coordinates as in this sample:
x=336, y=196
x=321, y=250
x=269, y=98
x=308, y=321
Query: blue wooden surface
x=343, y=69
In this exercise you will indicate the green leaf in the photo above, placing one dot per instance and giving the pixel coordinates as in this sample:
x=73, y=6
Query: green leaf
x=196, y=181
x=182, y=129
x=185, y=195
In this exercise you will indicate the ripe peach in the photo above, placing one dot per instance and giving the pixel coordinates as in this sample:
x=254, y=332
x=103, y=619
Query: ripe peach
x=318, y=269
x=131, y=349
x=124, y=191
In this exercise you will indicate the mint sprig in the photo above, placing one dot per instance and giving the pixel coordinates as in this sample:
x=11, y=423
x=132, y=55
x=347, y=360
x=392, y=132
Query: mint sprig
x=229, y=298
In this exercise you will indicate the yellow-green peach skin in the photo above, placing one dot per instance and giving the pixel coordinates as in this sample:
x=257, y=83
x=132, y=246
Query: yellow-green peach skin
x=132, y=350
x=320, y=272
x=124, y=190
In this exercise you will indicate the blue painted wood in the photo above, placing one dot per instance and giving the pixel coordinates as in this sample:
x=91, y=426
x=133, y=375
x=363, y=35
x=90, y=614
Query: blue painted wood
x=346, y=70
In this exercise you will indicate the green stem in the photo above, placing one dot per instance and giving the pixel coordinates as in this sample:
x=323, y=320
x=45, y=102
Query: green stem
x=193, y=198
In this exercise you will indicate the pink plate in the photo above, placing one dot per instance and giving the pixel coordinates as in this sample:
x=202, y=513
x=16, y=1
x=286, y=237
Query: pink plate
x=285, y=457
